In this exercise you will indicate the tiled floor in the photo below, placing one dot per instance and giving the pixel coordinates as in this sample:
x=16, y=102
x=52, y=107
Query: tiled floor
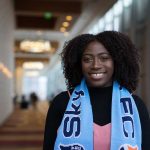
x=24, y=129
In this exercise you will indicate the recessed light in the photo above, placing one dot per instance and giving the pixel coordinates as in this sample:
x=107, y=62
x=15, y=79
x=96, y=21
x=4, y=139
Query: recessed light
x=68, y=18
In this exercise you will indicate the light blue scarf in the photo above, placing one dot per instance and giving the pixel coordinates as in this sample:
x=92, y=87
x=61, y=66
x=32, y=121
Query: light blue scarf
x=76, y=129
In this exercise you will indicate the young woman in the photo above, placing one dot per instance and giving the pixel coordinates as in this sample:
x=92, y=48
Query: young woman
x=99, y=111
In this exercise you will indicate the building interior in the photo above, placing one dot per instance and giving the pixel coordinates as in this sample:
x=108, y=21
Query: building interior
x=32, y=35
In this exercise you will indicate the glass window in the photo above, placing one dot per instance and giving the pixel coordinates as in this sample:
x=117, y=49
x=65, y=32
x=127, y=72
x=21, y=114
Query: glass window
x=118, y=8
x=116, y=23
x=127, y=3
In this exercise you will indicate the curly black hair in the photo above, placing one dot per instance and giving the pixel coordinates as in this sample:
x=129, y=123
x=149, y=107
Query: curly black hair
x=124, y=54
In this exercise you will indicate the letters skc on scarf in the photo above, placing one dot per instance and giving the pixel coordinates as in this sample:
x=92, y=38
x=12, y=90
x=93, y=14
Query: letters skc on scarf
x=76, y=129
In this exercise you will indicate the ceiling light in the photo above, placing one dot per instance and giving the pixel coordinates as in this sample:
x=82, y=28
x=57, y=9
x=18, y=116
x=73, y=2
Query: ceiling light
x=5, y=71
x=65, y=24
x=35, y=46
x=1, y=66
x=32, y=73
x=48, y=15
x=33, y=65
x=68, y=18
x=62, y=29
x=66, y=34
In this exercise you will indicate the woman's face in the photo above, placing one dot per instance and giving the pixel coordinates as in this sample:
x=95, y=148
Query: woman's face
x=97, y=65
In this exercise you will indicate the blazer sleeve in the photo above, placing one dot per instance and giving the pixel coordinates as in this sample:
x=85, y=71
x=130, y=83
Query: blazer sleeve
x=53, y=120
x=145, y=122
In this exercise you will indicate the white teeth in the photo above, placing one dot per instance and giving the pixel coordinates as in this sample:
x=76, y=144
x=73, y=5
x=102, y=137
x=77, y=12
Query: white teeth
x=97, y=75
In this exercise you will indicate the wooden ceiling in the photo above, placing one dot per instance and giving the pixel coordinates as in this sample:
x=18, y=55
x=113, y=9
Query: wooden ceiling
x=30, y=14
x=43, y=18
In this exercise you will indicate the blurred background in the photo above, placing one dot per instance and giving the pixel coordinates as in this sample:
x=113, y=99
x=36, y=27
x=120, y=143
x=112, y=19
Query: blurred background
x=32, y=34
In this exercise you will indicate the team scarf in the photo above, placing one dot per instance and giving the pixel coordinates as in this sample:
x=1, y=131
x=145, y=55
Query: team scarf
x=76, y=129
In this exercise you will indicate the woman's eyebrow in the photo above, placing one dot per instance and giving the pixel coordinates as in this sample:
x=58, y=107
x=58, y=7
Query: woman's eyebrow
x=103, y=53
x=84, y=54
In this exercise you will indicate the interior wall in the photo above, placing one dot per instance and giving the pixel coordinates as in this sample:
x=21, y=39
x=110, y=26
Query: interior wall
x=56, y=81
x=135, y=21
x=141, y=35
x=6, y=57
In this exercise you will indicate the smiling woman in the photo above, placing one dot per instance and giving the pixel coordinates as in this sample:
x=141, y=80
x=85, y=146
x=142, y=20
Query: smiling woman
x=97, y=65
x=101, y=73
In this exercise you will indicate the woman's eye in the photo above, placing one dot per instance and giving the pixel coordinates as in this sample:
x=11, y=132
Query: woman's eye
x=87, y=60
x=104, y=58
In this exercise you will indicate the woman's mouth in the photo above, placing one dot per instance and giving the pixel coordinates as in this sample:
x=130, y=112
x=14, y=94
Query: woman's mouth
x=96, y=76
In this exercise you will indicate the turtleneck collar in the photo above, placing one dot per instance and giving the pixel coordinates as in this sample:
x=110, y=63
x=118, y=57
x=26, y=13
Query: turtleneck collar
x=100, y=89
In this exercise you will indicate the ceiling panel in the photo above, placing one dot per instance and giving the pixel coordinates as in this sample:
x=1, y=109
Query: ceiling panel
x=59, y=6
x=33, y=22
x=32, y=14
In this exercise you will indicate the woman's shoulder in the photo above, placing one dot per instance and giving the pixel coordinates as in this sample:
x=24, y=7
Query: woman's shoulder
x=141, y=106
x=145, y=121
x=61, y=95
x=138, y=100
x=61, y=99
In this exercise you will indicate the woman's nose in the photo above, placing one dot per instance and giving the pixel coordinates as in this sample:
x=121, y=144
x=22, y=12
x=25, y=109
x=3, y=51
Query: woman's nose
x=96, y=63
